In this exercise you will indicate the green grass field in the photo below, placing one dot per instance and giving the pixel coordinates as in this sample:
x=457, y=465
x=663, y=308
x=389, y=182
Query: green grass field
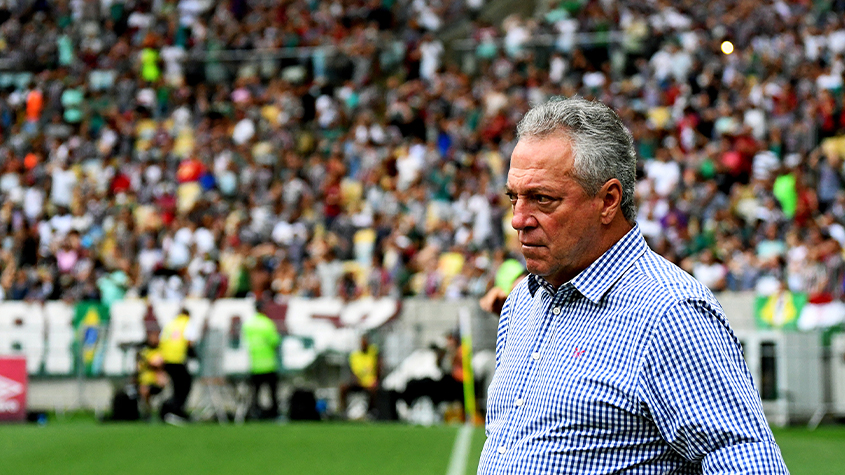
x=85, y=447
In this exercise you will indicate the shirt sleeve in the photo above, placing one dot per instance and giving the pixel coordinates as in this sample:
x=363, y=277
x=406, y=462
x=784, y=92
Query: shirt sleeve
x=697, y=389
x=268, y=332
x=273, y=336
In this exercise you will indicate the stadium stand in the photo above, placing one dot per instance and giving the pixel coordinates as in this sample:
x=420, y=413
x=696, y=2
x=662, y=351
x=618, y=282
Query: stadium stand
x=200, y=149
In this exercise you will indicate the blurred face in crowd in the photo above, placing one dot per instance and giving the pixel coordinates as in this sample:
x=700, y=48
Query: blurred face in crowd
x=559, y=224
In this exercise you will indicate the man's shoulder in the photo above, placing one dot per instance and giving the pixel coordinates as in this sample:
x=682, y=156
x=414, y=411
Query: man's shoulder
x=656, y=291
x=259, y=321
x=653, y=275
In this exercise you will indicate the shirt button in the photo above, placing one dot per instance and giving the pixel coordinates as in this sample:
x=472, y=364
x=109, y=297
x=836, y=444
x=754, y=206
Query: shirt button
x=556, y=310
x=519, y=402
x=501, y=449
x=536, y=355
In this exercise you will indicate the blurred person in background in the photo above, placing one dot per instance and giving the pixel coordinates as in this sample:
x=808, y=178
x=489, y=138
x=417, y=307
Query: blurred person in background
x=177, y=342
x=152, y=378
x=262, y=342
x=509, y=274
x=451, y=362
x=365, y=365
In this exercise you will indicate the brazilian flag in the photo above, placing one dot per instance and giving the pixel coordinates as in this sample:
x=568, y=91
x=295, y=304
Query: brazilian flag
x=90, y=321
x=780, y=310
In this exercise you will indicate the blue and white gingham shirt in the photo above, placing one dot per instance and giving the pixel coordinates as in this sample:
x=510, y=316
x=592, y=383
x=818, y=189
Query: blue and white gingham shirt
x=630, y=367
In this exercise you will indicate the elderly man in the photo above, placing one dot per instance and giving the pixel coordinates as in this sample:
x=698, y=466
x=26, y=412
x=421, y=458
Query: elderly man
x=609, y=359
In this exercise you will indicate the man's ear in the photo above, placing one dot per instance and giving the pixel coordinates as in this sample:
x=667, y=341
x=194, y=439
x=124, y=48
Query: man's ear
x=611, y=195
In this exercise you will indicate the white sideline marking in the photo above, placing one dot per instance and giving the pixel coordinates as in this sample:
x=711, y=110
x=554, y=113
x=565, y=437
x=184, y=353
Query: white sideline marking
x=460, y=451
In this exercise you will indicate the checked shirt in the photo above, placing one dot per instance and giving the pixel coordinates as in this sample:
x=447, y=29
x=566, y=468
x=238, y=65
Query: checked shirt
x=630, y=367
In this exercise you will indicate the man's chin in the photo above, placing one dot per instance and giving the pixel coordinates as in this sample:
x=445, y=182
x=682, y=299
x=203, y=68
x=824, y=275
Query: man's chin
x=536, y=256
x=535, y=268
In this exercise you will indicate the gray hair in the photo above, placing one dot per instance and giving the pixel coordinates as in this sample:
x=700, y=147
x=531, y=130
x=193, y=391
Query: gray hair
x=602, y=146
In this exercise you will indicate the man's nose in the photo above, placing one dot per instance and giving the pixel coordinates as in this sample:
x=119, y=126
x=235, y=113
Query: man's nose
x=523, y=216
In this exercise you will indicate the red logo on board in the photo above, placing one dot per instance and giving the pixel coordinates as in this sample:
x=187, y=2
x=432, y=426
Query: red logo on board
x=13, y=381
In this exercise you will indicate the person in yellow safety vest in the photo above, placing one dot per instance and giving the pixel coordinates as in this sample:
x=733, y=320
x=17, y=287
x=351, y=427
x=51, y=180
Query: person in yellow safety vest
x=365, y=366
x=262, y=341
x=177, y=345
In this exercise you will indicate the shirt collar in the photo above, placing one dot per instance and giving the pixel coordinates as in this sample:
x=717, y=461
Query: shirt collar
x=594, y=281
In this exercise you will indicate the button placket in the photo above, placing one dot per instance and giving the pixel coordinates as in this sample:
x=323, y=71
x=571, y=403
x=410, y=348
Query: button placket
x=534, y=358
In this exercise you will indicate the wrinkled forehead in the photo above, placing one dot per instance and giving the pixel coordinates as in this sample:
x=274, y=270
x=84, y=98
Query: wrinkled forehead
x=550, y=155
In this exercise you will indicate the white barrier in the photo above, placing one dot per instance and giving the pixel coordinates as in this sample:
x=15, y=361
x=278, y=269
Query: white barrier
x=221, y=316
x=45, y=334
x=58, y=353
x=22, y=333
x=126, y=326
x=837, y=374
x=787, y=368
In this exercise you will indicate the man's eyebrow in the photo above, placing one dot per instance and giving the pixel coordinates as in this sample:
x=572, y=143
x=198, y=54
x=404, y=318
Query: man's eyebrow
x=538, y=190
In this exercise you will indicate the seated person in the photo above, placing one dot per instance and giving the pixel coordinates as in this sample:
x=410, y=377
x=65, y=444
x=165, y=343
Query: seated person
x=151, y=376
x=364, y=364
x=452, y=365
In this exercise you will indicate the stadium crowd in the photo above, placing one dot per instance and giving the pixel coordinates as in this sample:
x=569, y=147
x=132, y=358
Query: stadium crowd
x=165, y=149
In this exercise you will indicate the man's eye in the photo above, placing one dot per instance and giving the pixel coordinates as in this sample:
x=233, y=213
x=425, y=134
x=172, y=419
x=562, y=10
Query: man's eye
x=542, y=199
x=512, y=197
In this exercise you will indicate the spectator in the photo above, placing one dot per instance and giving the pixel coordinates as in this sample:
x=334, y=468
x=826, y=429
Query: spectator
x=126, y=127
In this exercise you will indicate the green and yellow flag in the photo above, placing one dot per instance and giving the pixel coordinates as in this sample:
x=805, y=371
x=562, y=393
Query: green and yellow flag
x=90, y=322
x=780, y=310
